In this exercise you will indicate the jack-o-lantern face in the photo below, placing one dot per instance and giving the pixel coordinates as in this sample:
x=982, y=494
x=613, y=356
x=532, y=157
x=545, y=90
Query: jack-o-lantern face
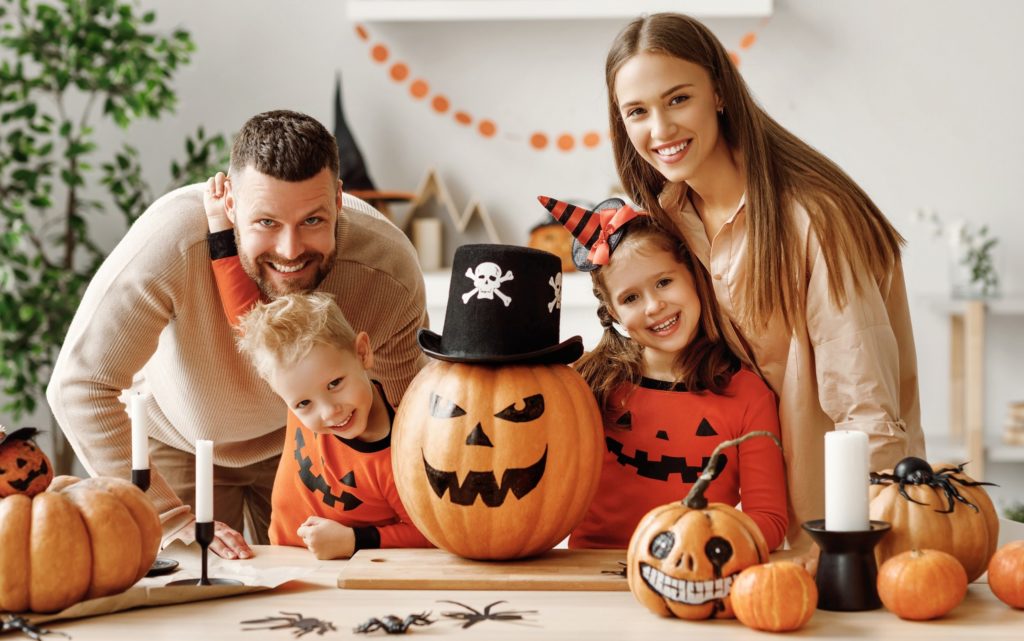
x=316, y=483
x=496, y=462
x=656, y=459
x=682, y=561
x=484, y=484
x=24, y=468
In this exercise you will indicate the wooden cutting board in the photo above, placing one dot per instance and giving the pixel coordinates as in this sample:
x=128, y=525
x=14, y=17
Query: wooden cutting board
x=432, y=569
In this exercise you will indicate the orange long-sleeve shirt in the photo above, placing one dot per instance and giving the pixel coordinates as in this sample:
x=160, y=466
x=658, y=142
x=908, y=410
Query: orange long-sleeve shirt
x=345, y=480
x=660, y=441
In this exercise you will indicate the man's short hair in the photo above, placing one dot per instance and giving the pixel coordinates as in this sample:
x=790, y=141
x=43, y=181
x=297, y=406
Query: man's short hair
x=282, y=332
x=286, y=145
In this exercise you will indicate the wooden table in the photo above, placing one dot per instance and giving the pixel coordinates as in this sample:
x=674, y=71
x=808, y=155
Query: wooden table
x=560, y=615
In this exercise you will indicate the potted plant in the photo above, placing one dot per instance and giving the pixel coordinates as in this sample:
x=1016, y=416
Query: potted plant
x=64, y=66
x=972, y=268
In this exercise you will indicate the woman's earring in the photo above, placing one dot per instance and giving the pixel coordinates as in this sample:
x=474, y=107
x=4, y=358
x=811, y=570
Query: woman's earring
x=721, y=110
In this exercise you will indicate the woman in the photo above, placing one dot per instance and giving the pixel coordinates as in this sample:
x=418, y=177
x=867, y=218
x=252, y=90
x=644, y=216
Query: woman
x=806, y=269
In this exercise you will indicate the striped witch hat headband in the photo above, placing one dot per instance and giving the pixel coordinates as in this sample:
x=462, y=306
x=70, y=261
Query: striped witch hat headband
x=596, y=233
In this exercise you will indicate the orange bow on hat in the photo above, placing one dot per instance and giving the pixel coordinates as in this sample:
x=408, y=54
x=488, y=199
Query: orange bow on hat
x=611, y=220
x=594, y=230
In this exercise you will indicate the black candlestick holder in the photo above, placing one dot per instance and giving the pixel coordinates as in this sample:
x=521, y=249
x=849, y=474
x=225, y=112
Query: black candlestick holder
x=161, y=565
x=847, y=575
x=204, y=537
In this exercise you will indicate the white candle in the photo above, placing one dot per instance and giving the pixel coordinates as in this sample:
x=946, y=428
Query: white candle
x=204, y=481
x=426, y=238
x=140, y=433
x=846, y=481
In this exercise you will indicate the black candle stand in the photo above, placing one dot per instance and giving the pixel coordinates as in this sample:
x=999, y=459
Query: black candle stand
x=847, y=575
x=162, y=565
x=204, y=537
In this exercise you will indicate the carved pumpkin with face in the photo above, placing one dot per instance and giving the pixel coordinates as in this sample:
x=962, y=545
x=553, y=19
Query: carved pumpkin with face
x=24, y=468
x=683, y=557
x=496, y=462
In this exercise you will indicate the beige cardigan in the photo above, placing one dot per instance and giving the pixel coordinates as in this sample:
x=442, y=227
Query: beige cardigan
x=152, y=315
x=852, y=368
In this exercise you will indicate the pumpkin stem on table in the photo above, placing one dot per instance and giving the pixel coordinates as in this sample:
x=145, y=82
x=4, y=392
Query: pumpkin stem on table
x=695, y=499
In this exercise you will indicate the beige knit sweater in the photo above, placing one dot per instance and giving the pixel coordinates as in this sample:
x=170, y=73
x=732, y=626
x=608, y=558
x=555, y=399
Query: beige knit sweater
x=151, y=320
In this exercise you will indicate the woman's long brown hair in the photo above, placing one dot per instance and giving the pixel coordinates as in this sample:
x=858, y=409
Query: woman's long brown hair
x=706, y=364
x=856, y=239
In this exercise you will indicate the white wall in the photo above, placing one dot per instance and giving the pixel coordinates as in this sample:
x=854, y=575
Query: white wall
x=918, y=100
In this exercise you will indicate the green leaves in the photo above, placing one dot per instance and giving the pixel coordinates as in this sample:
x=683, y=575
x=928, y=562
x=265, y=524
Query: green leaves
x=107, y=52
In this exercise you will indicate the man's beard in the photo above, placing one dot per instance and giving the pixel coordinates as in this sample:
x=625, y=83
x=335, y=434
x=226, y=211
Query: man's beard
x=272, y=290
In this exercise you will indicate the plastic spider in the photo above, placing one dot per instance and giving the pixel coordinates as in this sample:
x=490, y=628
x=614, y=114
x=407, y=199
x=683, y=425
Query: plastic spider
x=302, y=625
x=620, y=572
x=475, y=616
x=9, y=622
x=915, y=471
x=392, y=624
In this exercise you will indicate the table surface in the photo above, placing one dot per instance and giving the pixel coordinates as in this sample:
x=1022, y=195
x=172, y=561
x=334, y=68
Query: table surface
x=559, y=615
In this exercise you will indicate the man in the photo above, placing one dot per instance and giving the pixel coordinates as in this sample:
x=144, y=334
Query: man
x=151, y=320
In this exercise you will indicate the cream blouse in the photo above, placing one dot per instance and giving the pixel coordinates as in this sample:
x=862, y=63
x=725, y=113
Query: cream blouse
x=850, y=368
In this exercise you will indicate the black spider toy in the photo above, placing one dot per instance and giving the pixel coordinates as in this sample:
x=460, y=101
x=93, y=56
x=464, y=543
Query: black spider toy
x=295, y=620
x=392, y=624
x=915, y=471
x=9, y=622
x=475, y=616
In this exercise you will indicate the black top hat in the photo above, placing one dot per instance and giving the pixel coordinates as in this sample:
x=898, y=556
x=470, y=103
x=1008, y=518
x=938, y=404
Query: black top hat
x=595, y=233
x=504, y=306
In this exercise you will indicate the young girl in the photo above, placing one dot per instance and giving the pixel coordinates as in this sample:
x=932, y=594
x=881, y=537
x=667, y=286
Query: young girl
x=670, y=390
x=806, y=269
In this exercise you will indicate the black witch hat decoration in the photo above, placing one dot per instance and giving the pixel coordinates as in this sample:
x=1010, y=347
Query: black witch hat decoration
x=597, y=233
x=352, y=168
x=504, y=306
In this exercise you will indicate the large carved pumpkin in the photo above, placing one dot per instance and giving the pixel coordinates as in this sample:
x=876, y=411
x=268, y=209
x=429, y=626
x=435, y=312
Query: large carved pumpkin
x=496, y=462
x=24, y=468
x=81, y=540
x=933, y=520
x=683, y=557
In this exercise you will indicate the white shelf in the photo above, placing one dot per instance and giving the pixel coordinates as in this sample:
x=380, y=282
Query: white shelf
x=1003, y=306
x=942, y=449
x=457, y=10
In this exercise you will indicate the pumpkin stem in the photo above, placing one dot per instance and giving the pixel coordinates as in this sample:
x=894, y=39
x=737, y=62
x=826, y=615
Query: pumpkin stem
x=695, y=499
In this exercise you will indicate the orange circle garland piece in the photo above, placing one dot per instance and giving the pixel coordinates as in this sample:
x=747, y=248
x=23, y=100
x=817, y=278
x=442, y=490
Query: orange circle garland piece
x=420, y=89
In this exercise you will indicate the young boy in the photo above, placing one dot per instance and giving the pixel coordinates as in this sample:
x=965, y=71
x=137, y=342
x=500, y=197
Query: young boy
x=334, y=492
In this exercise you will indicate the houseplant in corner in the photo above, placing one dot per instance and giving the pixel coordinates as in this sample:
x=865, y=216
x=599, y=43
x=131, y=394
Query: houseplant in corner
x=65, y=66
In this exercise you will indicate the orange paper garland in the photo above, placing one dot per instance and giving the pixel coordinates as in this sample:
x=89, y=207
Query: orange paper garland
x=419, y=89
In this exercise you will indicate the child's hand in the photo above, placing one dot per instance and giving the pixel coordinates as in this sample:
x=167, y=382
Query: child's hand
x=327, y=539
x=213, y=201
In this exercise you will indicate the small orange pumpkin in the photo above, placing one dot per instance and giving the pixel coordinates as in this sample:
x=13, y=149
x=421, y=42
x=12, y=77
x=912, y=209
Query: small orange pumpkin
x=922, y=584
x=775, y=597
x=24, y=468
x=496, y=462
x=683, y=557
x=82, y=540
x=1006, y=574
x=931, y=519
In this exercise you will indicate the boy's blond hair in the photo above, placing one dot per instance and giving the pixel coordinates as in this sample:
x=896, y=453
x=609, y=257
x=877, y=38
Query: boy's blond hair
x=282, y=332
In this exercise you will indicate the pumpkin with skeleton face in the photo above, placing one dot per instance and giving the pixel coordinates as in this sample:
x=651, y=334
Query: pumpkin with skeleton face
x=684, y=556
x=496, y=462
